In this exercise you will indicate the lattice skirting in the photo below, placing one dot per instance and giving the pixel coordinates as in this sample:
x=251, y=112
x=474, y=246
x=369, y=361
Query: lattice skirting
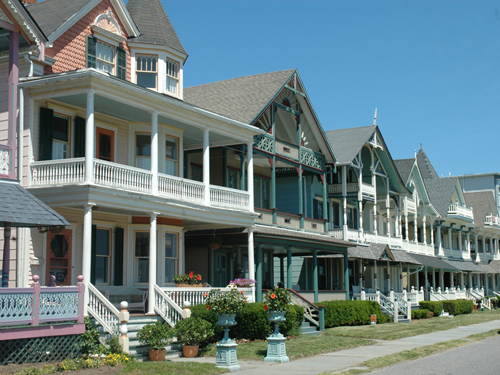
x=40, y=349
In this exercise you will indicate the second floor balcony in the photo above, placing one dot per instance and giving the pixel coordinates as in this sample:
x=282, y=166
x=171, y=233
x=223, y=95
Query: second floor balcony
x=289, y=221
x=458, y=210
x=352, y=187
x=492, y=221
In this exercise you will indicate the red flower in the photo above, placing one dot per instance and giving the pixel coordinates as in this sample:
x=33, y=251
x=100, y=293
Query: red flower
x=206, y=294
x=190, y=275
x=265, y=307
x=208, y=307
x=198, y=277
x=245, y=301
x=242, y=293
x=273, y=296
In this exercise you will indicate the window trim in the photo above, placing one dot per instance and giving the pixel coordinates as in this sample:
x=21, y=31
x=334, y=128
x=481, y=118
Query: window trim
x=178, y=141
x=145, y=71
x=167, y=76
x=110, y=256
x=70, y=138
x=100, y=129
x=113, y=71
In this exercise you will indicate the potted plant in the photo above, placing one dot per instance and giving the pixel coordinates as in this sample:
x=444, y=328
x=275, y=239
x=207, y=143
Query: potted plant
x=214, y=242
x=155, y=337
x=242, y=283
x=188, y=280
x=193, y=332
x=276, y=301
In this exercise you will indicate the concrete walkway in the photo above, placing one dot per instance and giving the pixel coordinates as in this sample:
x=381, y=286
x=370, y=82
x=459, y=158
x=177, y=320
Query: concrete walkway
x=346, y=359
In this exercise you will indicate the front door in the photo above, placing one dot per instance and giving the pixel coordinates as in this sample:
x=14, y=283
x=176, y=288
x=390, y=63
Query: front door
x=105, y=144
x=221, y=269
x=59, y=257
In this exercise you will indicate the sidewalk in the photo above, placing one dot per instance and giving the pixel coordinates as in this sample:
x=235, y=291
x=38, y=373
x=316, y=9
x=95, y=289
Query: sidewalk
x=345, y=359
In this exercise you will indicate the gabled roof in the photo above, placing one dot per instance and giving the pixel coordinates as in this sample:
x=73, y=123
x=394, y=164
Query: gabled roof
x=346, y=143
x=404, y=166
x=482, y=203
x=154, y=24
x=241, y=98
x=21, y=209
x=424, y=164
x=440, y=192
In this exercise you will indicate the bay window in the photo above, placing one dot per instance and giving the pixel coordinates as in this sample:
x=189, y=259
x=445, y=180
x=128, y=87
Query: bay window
x=146, y=70
x=172, y=76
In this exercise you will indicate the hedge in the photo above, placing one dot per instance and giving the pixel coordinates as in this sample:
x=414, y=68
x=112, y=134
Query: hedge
x=435, y=306
x=458, y=306
x=252, y=323
x=352, y=313
x=420, y=314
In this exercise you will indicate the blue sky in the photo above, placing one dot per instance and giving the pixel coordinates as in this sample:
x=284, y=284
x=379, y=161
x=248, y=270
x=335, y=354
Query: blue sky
x=431, y=67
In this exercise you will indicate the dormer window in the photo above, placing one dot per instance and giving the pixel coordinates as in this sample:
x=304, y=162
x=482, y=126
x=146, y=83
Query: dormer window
x=146, y=70
x=172, y=76
x=105, y=57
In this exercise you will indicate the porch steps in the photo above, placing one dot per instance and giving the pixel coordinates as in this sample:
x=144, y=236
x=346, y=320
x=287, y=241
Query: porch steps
x=141, y=353
x=307, y=328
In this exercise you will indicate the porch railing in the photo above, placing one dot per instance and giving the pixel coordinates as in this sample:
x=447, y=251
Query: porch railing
x=196, y=296
x=53, y=172
x=492, y=220
x=456, y=209
x=402, y=303
x=229, y=198
x=179, y=188
x=38, y=304
x=170, y=311
x=311, y=311
x=103, y=311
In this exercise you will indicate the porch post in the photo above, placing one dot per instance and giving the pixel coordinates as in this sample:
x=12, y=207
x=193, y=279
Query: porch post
x=424, y=230
x=375, y=282
x=388, y=209
x=12, y=100
x=360, y=202
x=152, y=263
x=344, y=201
x=433, y=277
x=450, y=242
x=426, y=279
x=432, y=233
x=6, y=254
x=461, y=279
x=250, y=177
x=374, y=183
x=259, y=273
x=346, y=276
x=87, y=249
x=243, y=170
x=289, y=281
x=282, y=269
x=440, y=242
x=415, y=225
x=478, y=258
x=470, y=280
x=486, y=283
x=315, y=275
x=406, y=226
x=154, y=152
x=251, y=260
x=325, y=204
x=206, y=166
x=441, y=279
x=273, y=189
x=360, y=271
x=89, y=146
x=401, y=276
x=301, y=197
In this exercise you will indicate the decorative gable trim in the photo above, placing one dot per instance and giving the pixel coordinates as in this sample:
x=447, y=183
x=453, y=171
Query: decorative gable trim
x=3, y=17
x=106, y=22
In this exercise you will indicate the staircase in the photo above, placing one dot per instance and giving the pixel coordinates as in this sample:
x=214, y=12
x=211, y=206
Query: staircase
x=312, y=317
x=308, y=328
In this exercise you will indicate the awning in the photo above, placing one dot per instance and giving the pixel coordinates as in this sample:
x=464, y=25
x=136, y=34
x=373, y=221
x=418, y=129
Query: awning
x=434, y=262
x=463, y=265
x=20, y=208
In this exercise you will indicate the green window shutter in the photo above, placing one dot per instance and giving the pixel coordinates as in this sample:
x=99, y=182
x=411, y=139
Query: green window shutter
x=46, y=127
x=79, y=137
x=93, y=254
x=119, y=234
x=121, y=66
x=91, y=51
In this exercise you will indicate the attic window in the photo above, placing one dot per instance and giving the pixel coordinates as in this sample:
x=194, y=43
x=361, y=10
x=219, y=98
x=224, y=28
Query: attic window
x=172, y=76
x=147, y=68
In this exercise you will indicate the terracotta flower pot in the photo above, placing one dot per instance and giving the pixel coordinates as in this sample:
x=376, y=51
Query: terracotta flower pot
x=157, y=355
x=190, y=351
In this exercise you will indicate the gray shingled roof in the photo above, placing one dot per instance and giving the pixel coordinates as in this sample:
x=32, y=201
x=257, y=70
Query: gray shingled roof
x=495, y=265
x=440, y=192
x=22, y=209
x=377, y=252
x=346, y=143
x=433, y=262
x=51, y=14
x=404, y=167
x=153, y=23
x=480, y=201
x=240, y=99
x=424, y=164
x=464, y=265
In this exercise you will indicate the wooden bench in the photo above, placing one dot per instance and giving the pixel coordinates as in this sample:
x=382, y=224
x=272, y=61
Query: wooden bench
x=136, y=298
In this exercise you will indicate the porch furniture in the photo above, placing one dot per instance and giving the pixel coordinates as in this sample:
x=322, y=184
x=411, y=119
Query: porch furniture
x=136, y=298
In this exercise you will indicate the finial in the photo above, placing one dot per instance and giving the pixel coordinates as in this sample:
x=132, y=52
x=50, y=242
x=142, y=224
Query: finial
x=375, y=118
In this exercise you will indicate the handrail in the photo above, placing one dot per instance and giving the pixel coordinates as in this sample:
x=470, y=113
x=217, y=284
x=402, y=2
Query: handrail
x=166, y=307
x=311, y=311
x=103, y=311
x=403, y=305
x=386, y=303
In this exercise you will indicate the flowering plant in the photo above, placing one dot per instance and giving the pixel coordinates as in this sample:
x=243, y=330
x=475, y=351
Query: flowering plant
x=277, y=299
x=242, y=283
x=190, y=278
x=229, y=302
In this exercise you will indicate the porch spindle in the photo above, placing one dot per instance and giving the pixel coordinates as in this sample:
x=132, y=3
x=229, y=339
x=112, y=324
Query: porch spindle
x=152, y=263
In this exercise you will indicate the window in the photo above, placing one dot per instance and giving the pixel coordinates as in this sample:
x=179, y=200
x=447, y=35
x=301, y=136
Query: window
x=143, y=150
x=171, y=155
x=146, y=70
x=317, y=209
x=60, y=137
x=172, y=76
x=197, y=172
x=233, y=180
x=141, y=255
x=336, y=215
x=171, y=255
x=103, y=252
x=261, y=192
x=105, y=57
x=105, y=143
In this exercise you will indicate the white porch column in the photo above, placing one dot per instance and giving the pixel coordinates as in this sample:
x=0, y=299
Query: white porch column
x=360, y=202
x=441, y=279
x=476, y=244
x=360, y=269
x=460, y=240
x=251, y=259
x=470, y=280
x=433, y=277
x=154, y=152
x=344, y=201
x=415, y=226
x=375, y=279
x=468, y=245
x=406, y=228
x=250, y=176
x=388, y=211
x=450, y=243
x=424, y=229
x=87, y=250
x=440, y=241
x=484, y=248
x=152, y=263
x=461, y=280
x=89, y=142
x=417, y=281
x=426, y=281
x=374, y=183
x=486, y=284
x=206, y=165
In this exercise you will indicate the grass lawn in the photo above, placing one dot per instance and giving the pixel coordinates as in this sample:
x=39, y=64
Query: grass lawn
x=172, y=368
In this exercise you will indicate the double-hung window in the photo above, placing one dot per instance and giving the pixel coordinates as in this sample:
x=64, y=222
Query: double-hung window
x=171, y=256
x=146, y=70
x=103, y=254
x=172, y=76
x=143, y=150
x=141, y=255
x=105, y=57
x=171, y=155
x=60, y=137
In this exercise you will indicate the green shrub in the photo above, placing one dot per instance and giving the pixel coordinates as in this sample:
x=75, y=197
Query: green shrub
x=201, y=311
x=90, y=339
x=352, y=313
x=155, y=336
x=458, y=306
x=194, y=331
x=435, y=306
x=420, y=314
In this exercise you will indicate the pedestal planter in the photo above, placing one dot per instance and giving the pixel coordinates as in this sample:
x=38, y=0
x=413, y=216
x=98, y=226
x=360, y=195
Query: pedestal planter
x=276, y=349
x=181, y=285
x=157, y=355
x=226, y=348
x=190, y=351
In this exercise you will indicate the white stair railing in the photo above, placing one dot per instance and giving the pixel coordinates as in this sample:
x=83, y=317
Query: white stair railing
x=387, y=305
x=103, y=311
x=402, y=303
x=166, y=307
x=311, y=311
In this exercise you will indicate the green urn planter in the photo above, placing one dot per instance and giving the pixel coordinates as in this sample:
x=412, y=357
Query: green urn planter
x=226, y=348
x=276, y=349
